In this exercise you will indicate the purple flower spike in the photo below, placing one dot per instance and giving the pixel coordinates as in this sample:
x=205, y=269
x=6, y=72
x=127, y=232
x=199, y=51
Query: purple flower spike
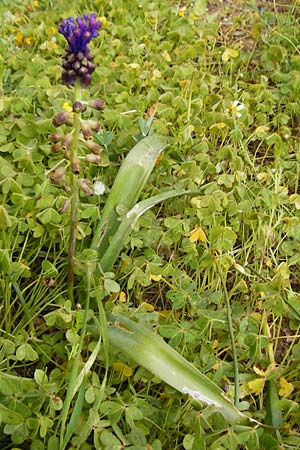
x=77, y=61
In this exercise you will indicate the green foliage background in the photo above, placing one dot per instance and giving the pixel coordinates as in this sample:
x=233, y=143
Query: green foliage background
x=185, y=63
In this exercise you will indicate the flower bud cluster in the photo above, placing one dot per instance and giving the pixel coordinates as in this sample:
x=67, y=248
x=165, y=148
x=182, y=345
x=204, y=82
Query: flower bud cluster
x=62, y=141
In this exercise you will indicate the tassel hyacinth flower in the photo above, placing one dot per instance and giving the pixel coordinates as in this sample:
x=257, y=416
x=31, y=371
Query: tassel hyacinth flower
x=78, y=60
x=75, y=136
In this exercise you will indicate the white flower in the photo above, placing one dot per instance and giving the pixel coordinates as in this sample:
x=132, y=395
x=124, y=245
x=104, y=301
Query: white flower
x=99, y=188
x=235, y=108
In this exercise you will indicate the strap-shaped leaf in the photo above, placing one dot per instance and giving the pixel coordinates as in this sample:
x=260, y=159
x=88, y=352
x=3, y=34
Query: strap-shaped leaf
x=130, y=180
x=152, y=352
x=128, y=221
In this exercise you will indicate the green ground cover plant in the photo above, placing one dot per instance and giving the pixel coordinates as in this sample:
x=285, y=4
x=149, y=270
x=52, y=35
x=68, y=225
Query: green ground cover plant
x=149, y=226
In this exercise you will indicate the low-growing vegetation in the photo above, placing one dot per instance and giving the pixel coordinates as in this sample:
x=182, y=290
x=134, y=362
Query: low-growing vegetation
x=150, y=225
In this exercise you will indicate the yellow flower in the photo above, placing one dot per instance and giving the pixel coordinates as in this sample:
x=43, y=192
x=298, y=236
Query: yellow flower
x=19, y=39
x=51, y=30
x=67, y=107
x=182, y=11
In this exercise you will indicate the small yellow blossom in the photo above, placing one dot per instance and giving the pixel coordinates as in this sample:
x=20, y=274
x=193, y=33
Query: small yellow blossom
x=105, y=23
x=51, y=30
x=52, y=45
x=19, y=38
x=67, y=107
x=182, y=83
x=35, y=3
x=182, y=11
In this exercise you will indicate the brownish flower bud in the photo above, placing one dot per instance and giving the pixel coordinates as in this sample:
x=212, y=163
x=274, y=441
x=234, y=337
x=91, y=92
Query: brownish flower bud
x=58, y=175
x=56, y=147
x=66, y=188
x=91, y=158
x=56, y=137
x=93, y=124
x=93, y=147
x=86, y=130
x=67, y=141
x=84, y=186
x=67, y=154
x=65, y=206
x=97, y=104
x=62, y=118
x=75, y=165
x=78, y=107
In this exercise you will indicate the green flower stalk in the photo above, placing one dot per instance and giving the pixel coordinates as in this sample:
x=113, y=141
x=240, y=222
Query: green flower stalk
x=74, y=185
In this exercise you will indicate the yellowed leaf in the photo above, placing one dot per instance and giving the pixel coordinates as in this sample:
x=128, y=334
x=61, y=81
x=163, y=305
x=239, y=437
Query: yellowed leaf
x=256, y=386
x=285, y=388
x=166, y=56
x=133, y=66
x=215, y=344
x=182, y=83
x=147, y=306
x=155, y=277
x=122, y=297
x=219, y=125
x=156, y=74
x=122, y=369
x=216, y=366
x=265, y=373
x=259, y=372
x=197, y=234
x=256, y=316
x=229, y=53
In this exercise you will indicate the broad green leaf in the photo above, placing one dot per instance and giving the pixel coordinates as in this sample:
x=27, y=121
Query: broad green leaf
x=26, y=352
x=10, y=417
x=5, y=220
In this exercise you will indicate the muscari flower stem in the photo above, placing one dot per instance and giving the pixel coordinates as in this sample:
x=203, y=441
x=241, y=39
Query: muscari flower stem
x=74, y=185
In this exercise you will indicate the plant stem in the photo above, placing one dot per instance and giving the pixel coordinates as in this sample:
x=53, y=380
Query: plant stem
x=72, y=386
x=74, y=197
x=232, y=342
